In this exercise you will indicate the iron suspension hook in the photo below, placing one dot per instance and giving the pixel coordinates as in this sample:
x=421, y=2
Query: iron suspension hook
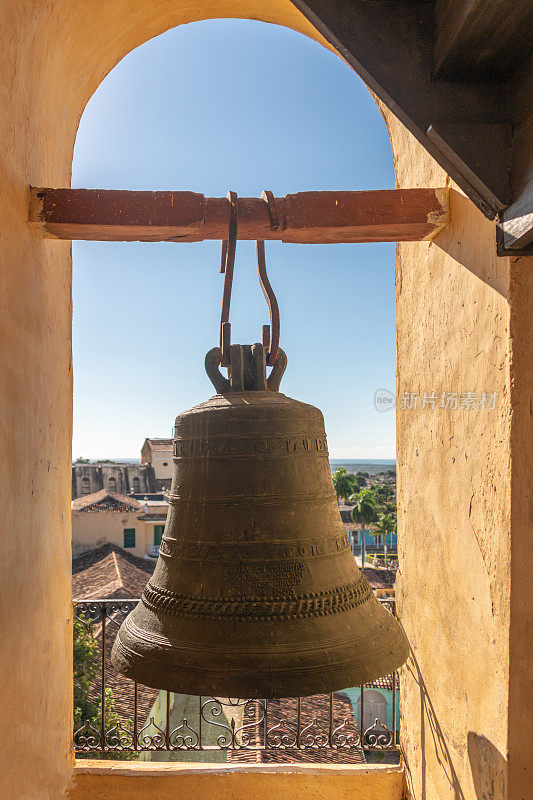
x=227, y=265
x=270, y=332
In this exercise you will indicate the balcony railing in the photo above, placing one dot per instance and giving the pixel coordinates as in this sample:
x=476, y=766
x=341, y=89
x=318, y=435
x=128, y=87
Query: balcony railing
x=138, y=720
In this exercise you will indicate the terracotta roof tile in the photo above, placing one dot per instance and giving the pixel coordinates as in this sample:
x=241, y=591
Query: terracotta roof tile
x=382, y=683
x=104, y=501
x=109, y=571
x=122, y=688
x=160, y=444
x=379, y=578
x=282, y=715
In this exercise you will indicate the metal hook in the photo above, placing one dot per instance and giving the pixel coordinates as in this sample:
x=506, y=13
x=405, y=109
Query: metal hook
x=272, y=210
x=226, y=266
x=270, y=332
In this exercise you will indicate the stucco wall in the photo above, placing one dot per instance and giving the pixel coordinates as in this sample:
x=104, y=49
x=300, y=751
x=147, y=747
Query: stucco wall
x=192, y=782
x=464, y=480
x=52, y=59
x=159, y=459
x=90, y=530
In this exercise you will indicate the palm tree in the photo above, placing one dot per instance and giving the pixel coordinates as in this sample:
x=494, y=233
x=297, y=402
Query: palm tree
x=363, y=512
x=343, y=482
x=386, y=524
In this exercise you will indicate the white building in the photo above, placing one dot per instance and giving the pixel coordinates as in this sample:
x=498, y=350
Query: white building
x=158, y=454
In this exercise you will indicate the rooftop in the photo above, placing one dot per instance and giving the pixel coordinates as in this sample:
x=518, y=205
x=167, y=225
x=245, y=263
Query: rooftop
x=379, y=578
x=315, y=729
x=109, y=571
x=104, y=501
x=159, y=444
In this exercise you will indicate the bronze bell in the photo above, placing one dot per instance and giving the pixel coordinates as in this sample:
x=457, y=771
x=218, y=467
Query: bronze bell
x=256, y=592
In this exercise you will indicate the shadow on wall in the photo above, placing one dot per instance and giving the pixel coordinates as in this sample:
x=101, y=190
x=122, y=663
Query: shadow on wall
x=488, y=766
x=476, y=253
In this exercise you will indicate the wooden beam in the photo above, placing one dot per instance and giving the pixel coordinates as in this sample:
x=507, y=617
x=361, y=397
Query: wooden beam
x=307, y=217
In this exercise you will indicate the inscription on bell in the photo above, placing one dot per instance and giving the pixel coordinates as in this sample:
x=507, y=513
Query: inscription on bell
x=240, y=446
x=264, y=577
x=254, y=551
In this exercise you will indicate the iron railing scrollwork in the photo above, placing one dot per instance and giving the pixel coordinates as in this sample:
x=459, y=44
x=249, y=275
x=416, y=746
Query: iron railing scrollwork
x=327, y=722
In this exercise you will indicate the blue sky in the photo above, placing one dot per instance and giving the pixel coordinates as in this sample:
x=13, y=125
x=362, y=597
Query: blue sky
x=207, y=107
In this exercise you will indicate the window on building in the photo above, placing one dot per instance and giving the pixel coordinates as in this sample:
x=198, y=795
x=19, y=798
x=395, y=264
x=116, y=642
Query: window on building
x=165, y=463
x=112, y=484
x=129, y=537
x=158, y=533
x=136, y=484
x=85, y=486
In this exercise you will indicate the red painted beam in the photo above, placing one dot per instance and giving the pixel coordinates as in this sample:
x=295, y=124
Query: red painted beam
x=307, y=217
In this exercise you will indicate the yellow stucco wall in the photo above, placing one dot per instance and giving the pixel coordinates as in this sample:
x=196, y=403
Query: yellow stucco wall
x=191, y=782
x=91, y=530
x=54, y=54
x=159, y=459
x=464, y=515
x=463, y=321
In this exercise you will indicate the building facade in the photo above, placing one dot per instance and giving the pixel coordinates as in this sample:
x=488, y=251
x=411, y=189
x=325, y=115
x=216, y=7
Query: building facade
x=103, y=517
x=157, y=453
x=120, y=478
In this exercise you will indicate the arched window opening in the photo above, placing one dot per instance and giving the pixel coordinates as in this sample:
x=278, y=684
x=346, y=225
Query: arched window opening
x=190, y=147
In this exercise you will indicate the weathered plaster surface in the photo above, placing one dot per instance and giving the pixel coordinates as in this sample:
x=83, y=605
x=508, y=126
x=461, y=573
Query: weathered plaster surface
x=465, y=506
x=193, y=782
x=54, y=55
x=463, y=323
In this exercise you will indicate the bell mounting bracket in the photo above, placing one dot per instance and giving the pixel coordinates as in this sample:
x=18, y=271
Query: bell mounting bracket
x=247, y=369
x=227, y=265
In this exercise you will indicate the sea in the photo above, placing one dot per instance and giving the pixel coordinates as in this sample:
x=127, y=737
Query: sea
x=358, y=465
x=372, y=466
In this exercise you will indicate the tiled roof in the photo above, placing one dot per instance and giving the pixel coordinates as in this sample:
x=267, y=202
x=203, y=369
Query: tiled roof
x=282, y=715
x=379, y=578
x=122, y=688
x=160, y=444
x=104, y=501
x=109, y=571
x=382, y=683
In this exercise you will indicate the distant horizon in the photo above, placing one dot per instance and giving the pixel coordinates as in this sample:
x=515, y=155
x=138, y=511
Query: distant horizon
x=369, y=460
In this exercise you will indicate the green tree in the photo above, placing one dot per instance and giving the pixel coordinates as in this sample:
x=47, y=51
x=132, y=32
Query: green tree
x=81, y=460
x=360, y=478
x=363, y=512
x=343, y=482
x=386, y=525
x=86, y=666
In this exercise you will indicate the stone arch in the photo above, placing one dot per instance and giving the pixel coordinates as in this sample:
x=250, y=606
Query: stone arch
x=54, y=57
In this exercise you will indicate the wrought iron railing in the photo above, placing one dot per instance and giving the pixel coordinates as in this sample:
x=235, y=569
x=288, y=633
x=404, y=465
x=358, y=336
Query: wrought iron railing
x=138, y=720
